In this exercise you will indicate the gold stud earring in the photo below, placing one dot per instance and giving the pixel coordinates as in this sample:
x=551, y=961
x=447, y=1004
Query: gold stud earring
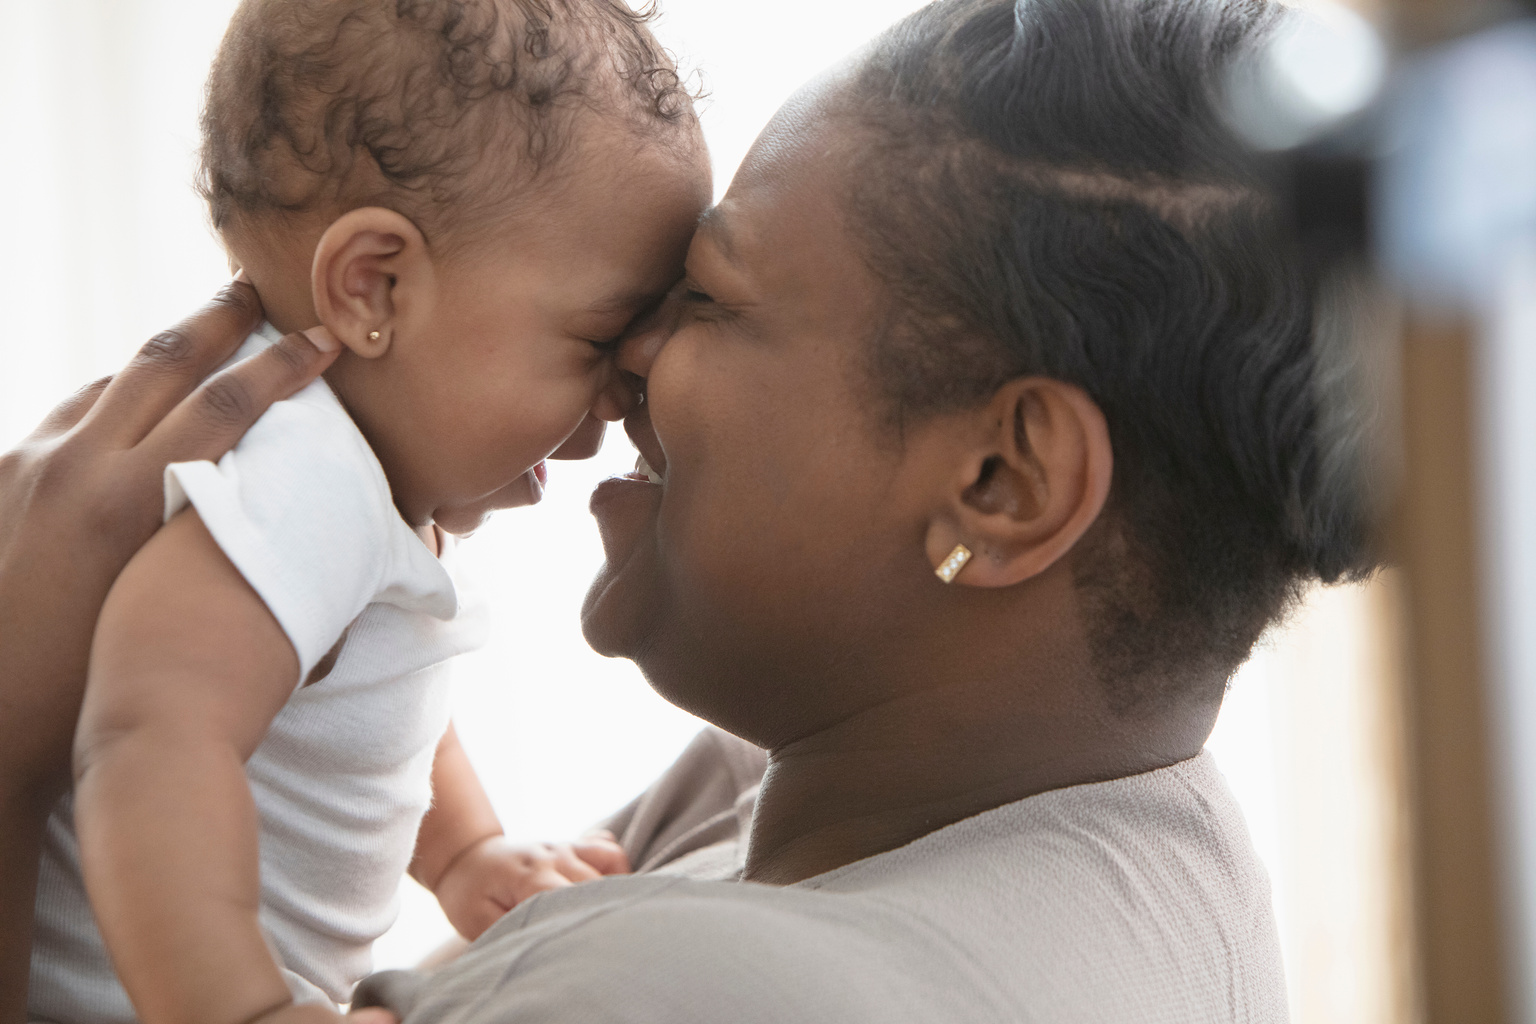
x=951, y=566
x=373, y=335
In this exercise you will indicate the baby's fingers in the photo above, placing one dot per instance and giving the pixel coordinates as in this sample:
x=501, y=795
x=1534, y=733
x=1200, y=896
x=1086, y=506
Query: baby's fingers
x=603, y=854
x=572, y=866
x=534, y=882
x=516, y=879
x=372, y=1015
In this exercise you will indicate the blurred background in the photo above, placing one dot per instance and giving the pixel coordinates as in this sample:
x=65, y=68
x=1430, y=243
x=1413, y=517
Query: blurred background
x=1373, y=741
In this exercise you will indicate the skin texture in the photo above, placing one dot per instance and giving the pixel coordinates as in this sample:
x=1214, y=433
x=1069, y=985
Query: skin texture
x=780, y=582
x=464, y=370
x=77, y=499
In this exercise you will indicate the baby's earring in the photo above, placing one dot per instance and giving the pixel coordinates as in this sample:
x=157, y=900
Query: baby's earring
x=951, y=566
x=373, y=336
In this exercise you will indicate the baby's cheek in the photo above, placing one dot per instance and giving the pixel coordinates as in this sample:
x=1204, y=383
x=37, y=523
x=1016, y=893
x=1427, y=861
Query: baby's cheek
x=562, y=410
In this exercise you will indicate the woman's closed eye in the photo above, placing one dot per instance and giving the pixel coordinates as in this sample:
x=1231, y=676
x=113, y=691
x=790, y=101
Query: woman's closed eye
x=700, y=305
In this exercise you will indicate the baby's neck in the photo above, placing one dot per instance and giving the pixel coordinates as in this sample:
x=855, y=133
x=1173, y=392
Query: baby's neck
x=428, y=532
x=279, y=270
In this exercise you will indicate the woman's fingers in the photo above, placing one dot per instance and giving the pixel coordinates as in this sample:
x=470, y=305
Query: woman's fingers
x=208, y=422
x=70, y=411
x=172, y=363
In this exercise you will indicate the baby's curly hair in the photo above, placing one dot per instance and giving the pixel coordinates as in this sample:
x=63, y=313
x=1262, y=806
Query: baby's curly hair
x=444, y=110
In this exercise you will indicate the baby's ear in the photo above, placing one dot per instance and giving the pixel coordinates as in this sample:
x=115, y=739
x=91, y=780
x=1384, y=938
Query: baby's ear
x=367, y=264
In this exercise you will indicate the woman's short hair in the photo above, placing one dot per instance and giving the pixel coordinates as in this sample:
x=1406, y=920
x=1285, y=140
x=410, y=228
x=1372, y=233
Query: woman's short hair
x=1053, y=190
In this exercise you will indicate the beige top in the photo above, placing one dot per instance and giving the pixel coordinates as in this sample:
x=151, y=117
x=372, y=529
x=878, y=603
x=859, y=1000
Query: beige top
x=1136, y=900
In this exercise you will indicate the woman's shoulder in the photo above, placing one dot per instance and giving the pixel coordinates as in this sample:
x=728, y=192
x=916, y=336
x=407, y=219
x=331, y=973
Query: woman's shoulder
x=1114, y=901
x=650, y=948
x=1101, y=896
x=1118, y=857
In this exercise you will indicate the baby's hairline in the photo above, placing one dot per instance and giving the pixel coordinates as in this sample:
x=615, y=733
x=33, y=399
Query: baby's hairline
x=530, y=191
x=292, y=235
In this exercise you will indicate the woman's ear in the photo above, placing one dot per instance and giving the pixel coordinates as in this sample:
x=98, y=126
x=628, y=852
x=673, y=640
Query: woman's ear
x=1028, y=487
x=369, y=264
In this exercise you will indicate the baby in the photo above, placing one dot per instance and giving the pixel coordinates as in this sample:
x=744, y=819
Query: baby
x=475, y=199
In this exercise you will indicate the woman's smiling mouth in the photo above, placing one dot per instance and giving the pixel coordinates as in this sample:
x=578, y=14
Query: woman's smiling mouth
x=643, y=471
x=651, y=465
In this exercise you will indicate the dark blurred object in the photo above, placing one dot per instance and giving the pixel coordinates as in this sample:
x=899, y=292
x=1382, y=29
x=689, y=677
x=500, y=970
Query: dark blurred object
x=1310, y=104
x=1327, y=189
x=1422, y=24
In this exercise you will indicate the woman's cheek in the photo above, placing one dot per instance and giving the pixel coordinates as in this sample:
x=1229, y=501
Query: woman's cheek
x=667, y=389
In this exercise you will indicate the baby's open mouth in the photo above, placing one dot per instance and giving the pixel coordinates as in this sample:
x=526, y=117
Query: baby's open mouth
x=643, y=471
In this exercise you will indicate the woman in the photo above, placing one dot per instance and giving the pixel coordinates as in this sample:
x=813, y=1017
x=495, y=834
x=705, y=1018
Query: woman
x=1002, y=290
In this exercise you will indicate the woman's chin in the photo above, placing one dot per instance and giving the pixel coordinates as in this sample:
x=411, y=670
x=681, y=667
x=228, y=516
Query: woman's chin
x=621, y=605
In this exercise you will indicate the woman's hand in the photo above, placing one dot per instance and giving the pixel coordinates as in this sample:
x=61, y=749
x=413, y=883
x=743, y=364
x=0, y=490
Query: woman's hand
x=77, y=499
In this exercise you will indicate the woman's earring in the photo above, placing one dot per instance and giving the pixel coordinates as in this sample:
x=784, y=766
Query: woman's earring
x=951, y=566
x=373, y=335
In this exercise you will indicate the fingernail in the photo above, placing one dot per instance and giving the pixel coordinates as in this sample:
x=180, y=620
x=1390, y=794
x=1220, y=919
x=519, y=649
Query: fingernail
x=322, y=339
x=240, y=277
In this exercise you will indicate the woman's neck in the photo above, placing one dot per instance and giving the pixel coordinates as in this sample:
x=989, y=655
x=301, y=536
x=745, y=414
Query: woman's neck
x=927, y=759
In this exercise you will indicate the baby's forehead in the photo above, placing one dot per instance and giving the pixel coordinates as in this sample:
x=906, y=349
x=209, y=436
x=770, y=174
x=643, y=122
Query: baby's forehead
x=601, y=238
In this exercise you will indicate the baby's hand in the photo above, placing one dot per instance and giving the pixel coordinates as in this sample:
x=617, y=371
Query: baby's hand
x=495, y=875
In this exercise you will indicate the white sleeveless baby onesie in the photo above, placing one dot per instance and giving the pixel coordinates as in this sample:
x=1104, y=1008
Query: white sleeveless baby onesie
x=341, y=781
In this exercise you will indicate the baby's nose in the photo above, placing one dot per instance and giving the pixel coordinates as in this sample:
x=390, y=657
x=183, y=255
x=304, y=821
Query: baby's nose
x=619, y=397
x=639, y=349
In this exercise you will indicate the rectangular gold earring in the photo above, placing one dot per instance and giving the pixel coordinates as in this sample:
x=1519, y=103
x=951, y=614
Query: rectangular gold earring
x=953, y=564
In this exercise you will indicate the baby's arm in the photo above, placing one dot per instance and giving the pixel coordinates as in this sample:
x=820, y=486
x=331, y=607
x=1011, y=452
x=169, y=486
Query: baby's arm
x=476, y=874
x=188, y=669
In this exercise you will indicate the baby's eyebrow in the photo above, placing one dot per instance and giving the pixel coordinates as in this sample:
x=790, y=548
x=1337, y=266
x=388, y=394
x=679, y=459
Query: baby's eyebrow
x=624, y=302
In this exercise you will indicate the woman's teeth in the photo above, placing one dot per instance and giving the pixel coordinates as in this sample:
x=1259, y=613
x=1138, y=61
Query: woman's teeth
x=643, y=468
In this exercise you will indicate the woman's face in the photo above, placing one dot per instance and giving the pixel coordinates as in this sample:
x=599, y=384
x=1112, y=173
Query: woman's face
x=769, y=558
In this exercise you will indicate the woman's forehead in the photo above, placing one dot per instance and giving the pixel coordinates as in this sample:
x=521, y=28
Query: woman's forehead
x=794, y=182
x=811, y=119
x=784, y=223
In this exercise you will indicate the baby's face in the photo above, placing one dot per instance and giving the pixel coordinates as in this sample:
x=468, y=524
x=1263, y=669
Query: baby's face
x=514, y=346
